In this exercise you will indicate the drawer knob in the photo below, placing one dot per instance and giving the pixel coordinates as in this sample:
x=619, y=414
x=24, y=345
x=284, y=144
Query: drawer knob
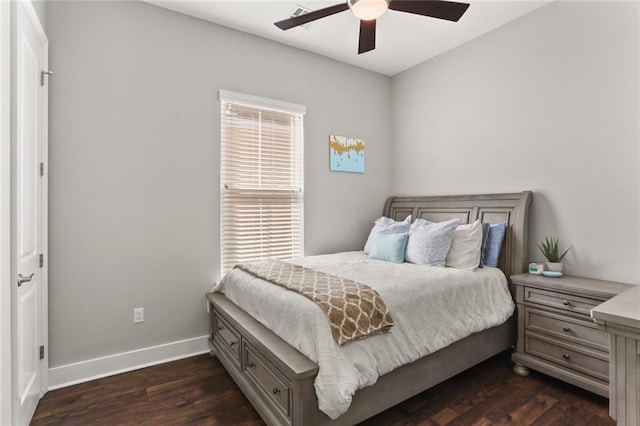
x=276, y=391
x=251, y=364
x=233, y=342
x=218, y=328
x=565, y=356
x=565, y=303
x=566, y=329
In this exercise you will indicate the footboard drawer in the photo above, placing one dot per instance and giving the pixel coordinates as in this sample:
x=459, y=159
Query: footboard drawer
x=228, y=336
x=275, y=377
x=266, y=376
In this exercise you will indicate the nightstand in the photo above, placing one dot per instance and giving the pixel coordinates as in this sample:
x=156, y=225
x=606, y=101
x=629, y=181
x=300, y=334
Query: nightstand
x=556, y=334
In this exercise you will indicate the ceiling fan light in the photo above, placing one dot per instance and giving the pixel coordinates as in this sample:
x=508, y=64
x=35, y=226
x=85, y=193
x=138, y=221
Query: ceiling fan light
x=368, y=10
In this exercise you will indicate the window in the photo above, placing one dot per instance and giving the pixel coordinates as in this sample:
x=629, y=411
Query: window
x=261, y=179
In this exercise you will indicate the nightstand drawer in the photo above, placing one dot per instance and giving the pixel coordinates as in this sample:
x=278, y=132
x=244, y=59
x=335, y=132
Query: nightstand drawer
x=566, y=328
x=567, y=302
x=578, y=358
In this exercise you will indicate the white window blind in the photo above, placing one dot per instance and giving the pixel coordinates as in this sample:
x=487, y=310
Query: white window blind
x=261, y=179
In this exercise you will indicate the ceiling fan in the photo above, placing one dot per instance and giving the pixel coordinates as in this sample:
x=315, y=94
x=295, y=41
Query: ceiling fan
x=370, y=10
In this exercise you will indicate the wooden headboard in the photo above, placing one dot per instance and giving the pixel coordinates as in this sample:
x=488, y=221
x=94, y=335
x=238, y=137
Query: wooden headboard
x=489, y=208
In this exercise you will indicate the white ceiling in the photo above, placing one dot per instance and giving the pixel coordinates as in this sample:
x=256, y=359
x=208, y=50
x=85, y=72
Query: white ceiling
x=403, y=39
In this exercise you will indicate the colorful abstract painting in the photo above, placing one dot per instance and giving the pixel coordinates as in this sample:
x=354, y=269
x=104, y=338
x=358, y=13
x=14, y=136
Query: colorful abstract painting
x=346, y=154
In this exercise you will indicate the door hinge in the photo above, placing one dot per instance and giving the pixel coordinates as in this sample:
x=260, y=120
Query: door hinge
x=41, y=169
x=42, y=74
x=42, y=260
x=42, y=352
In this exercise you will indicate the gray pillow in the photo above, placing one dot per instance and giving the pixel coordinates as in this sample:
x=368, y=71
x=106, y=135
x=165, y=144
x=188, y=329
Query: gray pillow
x=388, y=226
x=429, y=242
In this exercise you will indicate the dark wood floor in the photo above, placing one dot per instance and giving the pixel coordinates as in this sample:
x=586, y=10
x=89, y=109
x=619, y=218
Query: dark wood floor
x=198, y=391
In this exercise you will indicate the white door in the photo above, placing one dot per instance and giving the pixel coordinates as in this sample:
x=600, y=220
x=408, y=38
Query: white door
x=29, y=326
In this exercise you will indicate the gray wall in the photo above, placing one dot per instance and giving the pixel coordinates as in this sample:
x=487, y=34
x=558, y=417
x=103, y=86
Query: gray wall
x=548, y=103
x=134, y=165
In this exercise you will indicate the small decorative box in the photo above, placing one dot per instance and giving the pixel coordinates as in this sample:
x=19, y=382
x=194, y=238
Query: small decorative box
x=536, y=268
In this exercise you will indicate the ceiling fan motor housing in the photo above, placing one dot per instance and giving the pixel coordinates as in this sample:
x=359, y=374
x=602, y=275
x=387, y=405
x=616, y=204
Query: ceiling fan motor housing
x=368, y=10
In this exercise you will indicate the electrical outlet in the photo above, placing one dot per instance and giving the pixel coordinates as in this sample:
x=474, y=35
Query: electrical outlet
x=138, y=315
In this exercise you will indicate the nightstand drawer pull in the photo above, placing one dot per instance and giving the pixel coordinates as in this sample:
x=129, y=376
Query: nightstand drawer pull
x=566, y=356
x=276, y=391
x=566, y=329
x=251, y=364
x=233, y=342
x=566, y=303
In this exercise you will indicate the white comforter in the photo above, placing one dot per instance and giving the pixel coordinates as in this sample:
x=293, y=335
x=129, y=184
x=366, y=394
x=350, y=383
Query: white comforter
x=432, y=308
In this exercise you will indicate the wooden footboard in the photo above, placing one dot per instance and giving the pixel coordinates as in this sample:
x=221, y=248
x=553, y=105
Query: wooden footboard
x=278, y=380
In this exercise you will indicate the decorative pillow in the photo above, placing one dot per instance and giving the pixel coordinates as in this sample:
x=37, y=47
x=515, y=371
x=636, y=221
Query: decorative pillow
x=429, y=242
x=465, y=247
x=390, y=247
x=497, y=232
x=485, y=236
x=389, y=226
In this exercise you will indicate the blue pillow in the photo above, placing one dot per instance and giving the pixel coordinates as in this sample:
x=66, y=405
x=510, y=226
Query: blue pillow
x=497, y=232
x=389, y=247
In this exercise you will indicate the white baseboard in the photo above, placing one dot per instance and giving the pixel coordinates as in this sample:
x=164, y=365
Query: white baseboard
x=84, y=371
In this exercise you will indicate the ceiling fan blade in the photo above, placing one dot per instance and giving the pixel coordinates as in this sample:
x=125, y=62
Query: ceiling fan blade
x=367, y=36
x=289, y=23
x=451, y=11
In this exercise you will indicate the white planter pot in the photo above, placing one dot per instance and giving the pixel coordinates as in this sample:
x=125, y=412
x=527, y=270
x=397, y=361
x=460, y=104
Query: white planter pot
x=554, y=266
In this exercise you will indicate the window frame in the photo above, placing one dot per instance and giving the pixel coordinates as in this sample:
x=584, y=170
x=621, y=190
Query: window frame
x=262, y=105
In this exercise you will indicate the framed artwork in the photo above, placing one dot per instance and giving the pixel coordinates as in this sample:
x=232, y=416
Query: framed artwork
x=346, y=154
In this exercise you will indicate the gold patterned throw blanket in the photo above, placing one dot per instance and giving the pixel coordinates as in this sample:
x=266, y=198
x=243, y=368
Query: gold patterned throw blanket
x=354, y=310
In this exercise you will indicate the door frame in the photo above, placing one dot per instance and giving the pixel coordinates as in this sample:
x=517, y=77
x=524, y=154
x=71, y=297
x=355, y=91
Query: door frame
x=6, y=399
x=44, y=225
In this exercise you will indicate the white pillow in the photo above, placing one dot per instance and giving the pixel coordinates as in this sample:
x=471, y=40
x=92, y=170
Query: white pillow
x=429, y=242
x=464, y=252
x=386, y=225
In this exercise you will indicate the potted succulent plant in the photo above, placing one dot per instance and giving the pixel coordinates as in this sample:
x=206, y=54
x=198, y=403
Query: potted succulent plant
x=549, y=249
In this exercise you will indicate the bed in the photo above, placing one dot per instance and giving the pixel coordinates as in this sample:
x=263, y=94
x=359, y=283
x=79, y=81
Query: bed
x=279, y=381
